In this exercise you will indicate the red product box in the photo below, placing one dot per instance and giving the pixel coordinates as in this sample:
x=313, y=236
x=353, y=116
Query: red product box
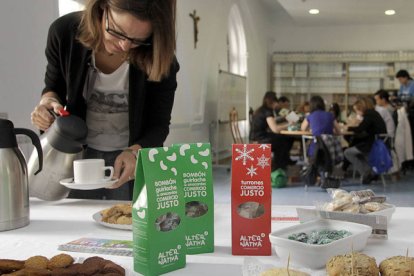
x=251, y=199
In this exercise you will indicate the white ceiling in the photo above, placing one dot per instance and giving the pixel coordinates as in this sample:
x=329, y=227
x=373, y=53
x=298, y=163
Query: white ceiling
x=344, y=12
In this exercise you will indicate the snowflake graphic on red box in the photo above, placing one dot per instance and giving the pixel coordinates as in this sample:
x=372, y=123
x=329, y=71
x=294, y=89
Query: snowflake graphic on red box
x=263, y=162
x=251, y=171
x=244, y=154
x=264, y=146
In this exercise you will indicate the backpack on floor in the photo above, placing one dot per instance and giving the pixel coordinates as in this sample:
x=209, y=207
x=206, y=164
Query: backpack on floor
x=379, y=157
x=279, y=178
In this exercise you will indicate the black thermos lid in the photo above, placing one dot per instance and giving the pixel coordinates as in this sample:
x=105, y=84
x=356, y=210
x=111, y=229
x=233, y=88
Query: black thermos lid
x=7, y=135
x=67, y=134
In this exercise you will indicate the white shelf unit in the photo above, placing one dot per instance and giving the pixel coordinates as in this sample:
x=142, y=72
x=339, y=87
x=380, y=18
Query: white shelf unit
x=337, y=76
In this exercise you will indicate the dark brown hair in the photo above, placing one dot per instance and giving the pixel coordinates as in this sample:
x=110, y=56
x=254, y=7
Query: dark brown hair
x=154, y=60
x=403, y=74
x=383, y=94
x=336, y=110
x=268, y=99
x=316, y=103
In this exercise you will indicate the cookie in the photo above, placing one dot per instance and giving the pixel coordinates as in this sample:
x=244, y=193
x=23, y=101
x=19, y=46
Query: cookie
x=30, y=272
x=352, y=264
x=59, y=261
x=39, y=262
x=124, y=220
x=397, y=265
x=64, y=271
x=283, y=272
x=94, y=260
x=118, y=214
x=111, y=267
x=7, y=265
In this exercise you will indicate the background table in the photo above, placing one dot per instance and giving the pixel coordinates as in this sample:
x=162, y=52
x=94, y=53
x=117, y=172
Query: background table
x=55, y=223
x=308, y=133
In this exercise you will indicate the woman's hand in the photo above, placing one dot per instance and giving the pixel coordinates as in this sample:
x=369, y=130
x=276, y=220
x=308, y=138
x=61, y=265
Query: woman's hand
x=41, y=117
x=305, y=125
x=124, y=166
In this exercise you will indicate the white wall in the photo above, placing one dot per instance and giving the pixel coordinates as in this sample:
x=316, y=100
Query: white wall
x=385, y=37
x=197, y=97
x=23, y=31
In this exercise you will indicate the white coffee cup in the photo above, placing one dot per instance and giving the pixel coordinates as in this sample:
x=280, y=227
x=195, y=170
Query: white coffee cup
x=91, y=171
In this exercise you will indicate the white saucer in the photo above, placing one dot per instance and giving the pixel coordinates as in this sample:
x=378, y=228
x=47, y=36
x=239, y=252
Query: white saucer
x=68, y=182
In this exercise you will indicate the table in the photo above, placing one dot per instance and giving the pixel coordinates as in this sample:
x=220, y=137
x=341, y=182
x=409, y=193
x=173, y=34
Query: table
x=307, y=132
x=307, y=135
x=296, y=132
x=54, y=223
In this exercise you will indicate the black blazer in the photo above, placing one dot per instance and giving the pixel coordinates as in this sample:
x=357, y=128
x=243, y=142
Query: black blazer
x=371, y=125
x=68, y=61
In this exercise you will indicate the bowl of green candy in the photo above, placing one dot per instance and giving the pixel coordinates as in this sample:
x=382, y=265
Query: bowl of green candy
x=312, y=244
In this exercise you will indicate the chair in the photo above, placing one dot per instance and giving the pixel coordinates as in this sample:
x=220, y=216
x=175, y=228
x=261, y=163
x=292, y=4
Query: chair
x=305, y=138
x=328, y=157
x=234, y=126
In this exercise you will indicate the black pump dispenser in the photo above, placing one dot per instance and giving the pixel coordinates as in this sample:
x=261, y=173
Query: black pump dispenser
x=8, y=138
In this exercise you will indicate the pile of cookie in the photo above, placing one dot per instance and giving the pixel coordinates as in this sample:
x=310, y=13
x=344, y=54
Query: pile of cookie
x=360, y=264
x=364, y=201
x=118, y=214
x=59, y=265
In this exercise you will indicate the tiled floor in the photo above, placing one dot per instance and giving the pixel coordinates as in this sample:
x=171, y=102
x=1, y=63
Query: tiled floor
x=400, y=193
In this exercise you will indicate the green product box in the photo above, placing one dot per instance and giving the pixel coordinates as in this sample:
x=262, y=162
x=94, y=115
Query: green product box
x=158, y=213
x=195, y=171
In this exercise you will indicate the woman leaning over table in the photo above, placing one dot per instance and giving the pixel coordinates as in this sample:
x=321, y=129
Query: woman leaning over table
x=266, y=130
x=371, y=125
x=113, y=65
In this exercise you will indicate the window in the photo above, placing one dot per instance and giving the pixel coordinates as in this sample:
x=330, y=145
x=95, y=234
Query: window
x=237, y=50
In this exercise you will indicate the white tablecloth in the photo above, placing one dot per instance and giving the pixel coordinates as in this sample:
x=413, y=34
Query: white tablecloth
x=55, y=223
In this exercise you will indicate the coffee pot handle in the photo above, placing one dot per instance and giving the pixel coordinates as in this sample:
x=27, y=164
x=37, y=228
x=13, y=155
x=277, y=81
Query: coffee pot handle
x=61, y=112
x=35, y=141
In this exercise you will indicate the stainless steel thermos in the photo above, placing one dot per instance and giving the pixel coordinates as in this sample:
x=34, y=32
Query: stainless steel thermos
x=14, y=194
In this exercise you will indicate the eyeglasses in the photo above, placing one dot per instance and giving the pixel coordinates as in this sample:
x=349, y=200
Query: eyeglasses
x=121, y=36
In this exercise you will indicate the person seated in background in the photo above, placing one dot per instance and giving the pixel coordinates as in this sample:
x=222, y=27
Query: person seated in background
x=382, y=98
x=407, y=85
x=266, y=130
x=284, y=106
x=276, y=109
x=371, y=125
x=385, y=109
x=319, y=120
x=304, y=109
x=336, y=111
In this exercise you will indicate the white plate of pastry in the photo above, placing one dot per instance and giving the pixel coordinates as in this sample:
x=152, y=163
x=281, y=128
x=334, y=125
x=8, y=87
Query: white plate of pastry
x=118, y=216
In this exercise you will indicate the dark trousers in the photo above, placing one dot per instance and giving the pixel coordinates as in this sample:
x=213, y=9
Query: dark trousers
x=359, y=160
x=122, y=193
x=281, y=146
